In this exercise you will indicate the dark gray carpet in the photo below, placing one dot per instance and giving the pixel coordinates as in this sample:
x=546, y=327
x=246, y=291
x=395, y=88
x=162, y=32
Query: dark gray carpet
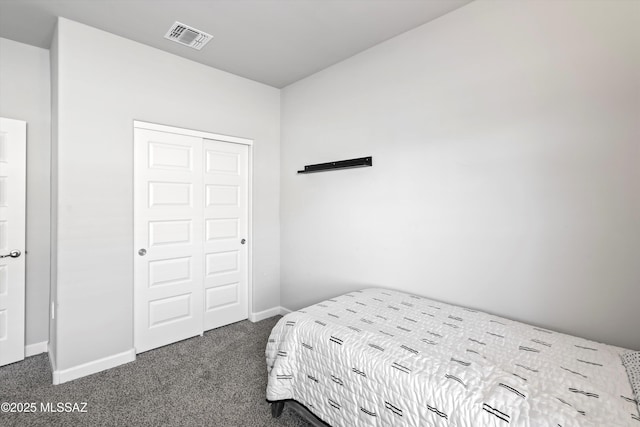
x=215, y=380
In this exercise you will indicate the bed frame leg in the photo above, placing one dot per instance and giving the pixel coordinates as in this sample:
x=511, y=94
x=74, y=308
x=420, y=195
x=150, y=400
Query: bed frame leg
x=276, y=408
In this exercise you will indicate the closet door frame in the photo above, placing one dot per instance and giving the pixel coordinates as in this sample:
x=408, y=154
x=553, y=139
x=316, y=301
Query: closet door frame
x=224, y=138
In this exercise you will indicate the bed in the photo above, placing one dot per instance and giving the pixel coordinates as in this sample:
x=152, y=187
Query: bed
x=379, y=357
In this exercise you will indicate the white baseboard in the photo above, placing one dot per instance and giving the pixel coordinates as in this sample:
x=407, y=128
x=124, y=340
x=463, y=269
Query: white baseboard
x=35, y=348
x=95, y=366
x=284, y=310
x=265, y=314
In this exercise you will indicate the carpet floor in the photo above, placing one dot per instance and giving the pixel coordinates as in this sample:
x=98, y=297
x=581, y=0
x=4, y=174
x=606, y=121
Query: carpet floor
x=215, y=380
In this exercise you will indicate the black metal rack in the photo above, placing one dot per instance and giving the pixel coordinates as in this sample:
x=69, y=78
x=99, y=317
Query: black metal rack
x=340, y=164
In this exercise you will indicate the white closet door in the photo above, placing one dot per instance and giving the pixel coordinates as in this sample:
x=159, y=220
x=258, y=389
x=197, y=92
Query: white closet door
x=226, y=231
x=168, y=224
x=12, y=239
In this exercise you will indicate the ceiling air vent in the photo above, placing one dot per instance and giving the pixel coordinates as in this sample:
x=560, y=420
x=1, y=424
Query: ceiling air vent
x=188, y=36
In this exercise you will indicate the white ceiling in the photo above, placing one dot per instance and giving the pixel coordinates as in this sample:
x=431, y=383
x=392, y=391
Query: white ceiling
x=276, y=42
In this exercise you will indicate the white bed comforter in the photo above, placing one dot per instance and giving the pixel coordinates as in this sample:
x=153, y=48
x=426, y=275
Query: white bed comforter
x=379, y=357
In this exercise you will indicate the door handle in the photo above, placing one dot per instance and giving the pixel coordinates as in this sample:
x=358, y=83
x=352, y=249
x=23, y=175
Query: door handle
x=13, y=254
x=142, y=252
x=243, y=241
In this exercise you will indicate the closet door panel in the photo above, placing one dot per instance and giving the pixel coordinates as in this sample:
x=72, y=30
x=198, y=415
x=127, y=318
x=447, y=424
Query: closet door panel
x=168, y=223
x=226, y=229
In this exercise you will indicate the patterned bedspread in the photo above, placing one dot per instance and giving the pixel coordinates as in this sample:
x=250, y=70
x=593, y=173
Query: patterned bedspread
x=379, y=357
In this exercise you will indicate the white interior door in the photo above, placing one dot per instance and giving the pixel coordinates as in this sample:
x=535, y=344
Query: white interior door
x=13, y=145
x=168, y=294
x=226, y=232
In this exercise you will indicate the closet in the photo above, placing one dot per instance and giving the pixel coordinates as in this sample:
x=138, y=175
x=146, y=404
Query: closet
x=191, y=226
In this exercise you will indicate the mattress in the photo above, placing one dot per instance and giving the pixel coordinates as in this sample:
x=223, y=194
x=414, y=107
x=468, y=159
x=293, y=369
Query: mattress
x=379, y=357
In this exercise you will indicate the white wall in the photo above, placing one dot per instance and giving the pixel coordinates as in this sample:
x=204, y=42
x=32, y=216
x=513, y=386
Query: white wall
x=53, y=290
x=506, y=147
x=104, y=83
x=25, y=95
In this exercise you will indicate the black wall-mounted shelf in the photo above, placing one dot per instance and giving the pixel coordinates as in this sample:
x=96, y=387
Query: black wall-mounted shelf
x=340, y=164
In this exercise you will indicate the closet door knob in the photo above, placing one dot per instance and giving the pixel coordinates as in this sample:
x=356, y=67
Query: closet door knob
x=142, y=252
x=243, y=241
x=14, y=254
